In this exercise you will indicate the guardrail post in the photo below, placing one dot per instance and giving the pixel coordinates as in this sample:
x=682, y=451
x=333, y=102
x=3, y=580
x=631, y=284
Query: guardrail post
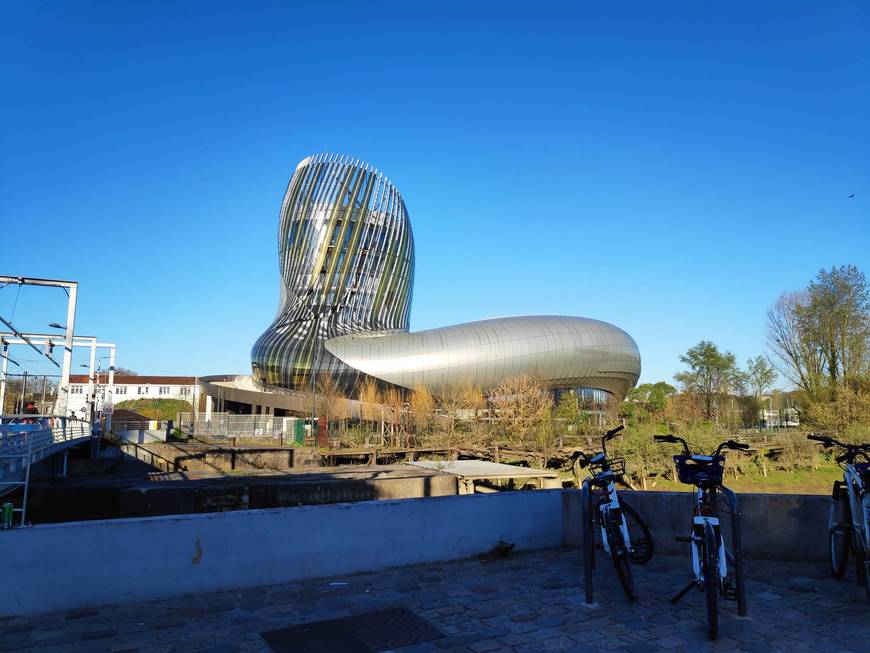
x=737, y=546
x=588, y=540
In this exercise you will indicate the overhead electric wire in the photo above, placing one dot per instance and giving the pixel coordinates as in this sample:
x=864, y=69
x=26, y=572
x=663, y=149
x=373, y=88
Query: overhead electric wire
x=18, y=333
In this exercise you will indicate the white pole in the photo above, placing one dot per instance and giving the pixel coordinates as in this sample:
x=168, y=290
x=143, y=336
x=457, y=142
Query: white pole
x=3, y=381
x=92, y=398
x=110, y=397
x=63, y=390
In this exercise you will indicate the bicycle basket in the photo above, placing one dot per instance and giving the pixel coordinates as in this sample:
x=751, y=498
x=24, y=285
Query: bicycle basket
x=617, y=466
x=692, y=471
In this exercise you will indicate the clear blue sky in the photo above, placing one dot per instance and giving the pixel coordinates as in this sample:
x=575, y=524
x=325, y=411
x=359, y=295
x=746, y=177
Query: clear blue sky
x=667, y=167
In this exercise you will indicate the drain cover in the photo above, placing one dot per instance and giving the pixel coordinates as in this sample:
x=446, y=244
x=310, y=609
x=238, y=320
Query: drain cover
x=363, y=633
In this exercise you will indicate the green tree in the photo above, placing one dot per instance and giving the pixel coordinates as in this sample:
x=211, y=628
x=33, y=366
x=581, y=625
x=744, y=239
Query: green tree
x=837, y=320
x=820, y=337
x=647, y=401
x=760, y=375
x=712, y=374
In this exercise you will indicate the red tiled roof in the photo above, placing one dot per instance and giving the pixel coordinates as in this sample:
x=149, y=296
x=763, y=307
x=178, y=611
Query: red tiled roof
x=134, y=380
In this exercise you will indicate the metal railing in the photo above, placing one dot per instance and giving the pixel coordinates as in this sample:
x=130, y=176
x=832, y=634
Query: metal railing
x=27, y=439
x=228, y=425
x=146, y=456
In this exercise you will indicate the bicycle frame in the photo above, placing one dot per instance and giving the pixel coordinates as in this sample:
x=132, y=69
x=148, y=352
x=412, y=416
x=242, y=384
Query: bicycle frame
x=609, y=502
x=706, y=512
x=859, y=501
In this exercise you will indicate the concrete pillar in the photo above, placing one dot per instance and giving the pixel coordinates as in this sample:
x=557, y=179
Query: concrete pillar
x=208, y=406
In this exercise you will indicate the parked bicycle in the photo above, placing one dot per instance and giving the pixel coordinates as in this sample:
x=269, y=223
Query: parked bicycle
x=622, y=532
x=849, y=516
x=711, y=560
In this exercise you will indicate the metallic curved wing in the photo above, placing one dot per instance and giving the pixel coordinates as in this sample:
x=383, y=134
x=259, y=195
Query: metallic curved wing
x=562, y=351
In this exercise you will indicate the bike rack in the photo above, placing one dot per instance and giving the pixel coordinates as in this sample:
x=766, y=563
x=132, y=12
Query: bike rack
x=737, y=548
x=588, y=538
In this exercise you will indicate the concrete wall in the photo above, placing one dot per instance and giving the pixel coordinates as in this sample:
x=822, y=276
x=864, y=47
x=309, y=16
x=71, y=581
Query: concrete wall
x=210, y=458
x=141, y=436
x=62, y=566
x=775, y=526
x=78, y=564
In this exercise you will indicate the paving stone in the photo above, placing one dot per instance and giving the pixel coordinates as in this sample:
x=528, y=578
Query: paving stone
x=531, y=603
x=81, y=614
x=98, y=634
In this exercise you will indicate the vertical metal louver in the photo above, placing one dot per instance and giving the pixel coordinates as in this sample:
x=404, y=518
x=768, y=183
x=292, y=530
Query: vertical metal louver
x=346, y=257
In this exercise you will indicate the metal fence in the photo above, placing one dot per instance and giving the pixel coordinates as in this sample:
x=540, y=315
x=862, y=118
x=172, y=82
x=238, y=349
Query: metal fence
x=228, y=425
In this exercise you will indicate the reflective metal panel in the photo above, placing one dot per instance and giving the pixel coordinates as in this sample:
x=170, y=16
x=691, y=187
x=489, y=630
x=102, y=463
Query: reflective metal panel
x=561, y=351
x=346, y=257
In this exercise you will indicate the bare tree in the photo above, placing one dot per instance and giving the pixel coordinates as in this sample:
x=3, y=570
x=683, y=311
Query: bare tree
x=461, y=406
x=333, y=404
x=422, y=407
x=372, y=404
x=524, y=408
x=796, y=358
x=394, y=409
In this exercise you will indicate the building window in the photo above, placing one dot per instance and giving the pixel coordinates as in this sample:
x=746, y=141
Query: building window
x=120, y=389
x=163, y=390
x=142, y=390
x=184, y=391
x=75, y=389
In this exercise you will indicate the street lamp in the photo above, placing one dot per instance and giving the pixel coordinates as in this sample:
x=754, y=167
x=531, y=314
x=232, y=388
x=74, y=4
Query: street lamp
x=55, y=325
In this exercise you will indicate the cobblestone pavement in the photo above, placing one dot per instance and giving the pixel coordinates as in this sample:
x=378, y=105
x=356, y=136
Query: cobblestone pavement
x=530, y=602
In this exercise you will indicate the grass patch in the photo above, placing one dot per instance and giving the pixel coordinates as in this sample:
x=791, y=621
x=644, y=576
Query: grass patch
x=802, y=481
x=162, y=409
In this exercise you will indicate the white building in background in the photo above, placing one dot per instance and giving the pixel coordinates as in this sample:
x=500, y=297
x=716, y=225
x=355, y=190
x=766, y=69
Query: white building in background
x=130, y=387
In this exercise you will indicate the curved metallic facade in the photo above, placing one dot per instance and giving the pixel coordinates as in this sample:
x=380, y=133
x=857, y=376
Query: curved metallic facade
x=562, y=351
x=346, y=259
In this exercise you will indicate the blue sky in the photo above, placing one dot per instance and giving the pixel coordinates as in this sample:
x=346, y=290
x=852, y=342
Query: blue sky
x=667, y=167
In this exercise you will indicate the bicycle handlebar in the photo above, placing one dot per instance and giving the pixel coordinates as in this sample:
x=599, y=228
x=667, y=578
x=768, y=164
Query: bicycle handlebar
x=850, y=450
x=731, y=444
x=728, y=444
x=582, y=457
x=673, y=439
x=612, y=432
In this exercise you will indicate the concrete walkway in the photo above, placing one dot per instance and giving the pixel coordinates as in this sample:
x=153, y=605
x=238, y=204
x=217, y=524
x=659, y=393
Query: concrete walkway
x=530, y=602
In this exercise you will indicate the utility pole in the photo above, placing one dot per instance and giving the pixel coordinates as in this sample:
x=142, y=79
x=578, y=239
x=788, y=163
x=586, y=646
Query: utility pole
x=23, y=394
x=71, y=289
x=5, y=369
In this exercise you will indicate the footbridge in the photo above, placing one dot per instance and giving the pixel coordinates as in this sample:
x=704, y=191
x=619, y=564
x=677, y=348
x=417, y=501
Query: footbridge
x=28, y=439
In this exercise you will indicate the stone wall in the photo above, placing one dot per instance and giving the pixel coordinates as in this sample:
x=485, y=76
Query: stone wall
x=213, y=458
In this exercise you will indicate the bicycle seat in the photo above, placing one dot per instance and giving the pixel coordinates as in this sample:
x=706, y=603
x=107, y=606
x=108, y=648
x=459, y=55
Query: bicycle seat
x=597, y=458
x=703, y=459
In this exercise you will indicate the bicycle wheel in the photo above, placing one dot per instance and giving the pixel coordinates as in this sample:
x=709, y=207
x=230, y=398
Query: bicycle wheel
x=711, y=579
x=641, y=541
x=618, y=553
x=839, y=535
